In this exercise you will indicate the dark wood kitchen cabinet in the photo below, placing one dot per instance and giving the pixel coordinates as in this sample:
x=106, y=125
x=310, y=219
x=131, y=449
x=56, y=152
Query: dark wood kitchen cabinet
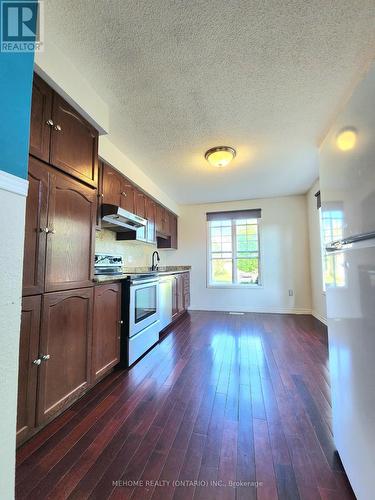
x=71, y=234
x=128, y=191
x=65, y=342
x=106, y=329
x=180, y=294
x=117, y=190
x=151, y=220
x=112, y=184
x=140, y=203
x=60, y=231
x=173, y=230
x=59, y=135
x=162, y=220
x=35, y=224
x=27, y=369
x=186, y=290
x=41, y=119
x=175, y=292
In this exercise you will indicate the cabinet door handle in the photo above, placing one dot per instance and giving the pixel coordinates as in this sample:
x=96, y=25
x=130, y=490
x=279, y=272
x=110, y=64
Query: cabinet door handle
x=121, y=322
x=46, y=357
x=58, y=128
x=43, y=230
x=37, y=362
x=124, y=194
x=50, y=123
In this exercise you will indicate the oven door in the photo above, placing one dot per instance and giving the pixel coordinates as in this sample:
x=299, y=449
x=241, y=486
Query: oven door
x=144, y=305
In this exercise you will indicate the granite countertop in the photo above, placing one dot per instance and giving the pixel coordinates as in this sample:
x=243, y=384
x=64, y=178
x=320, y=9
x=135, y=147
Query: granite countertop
x=162, y=271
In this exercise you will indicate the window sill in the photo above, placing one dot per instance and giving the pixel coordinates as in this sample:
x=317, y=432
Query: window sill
x=242, y=287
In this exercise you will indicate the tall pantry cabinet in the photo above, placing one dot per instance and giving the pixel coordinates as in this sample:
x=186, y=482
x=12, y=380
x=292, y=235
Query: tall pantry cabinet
x=57, y=306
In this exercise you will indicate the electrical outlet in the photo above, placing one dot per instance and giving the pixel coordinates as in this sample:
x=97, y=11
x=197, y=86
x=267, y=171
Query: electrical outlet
x=291, y=293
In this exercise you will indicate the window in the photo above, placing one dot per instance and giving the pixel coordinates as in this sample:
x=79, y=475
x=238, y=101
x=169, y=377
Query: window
x=331, y=226
x=233, y=248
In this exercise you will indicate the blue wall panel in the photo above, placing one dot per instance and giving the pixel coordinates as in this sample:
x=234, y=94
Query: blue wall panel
x=16, y=73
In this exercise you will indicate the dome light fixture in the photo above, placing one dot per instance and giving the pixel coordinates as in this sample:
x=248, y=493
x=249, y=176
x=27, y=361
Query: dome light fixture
x=220, y=156
x=346, y=139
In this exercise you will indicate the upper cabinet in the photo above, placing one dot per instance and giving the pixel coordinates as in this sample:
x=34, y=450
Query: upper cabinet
x=60, y=231
x=140, y=203
x=71, y=232
x=41, y=119
x=166, y=228
x=117, y=190
x=112, y=186
x=151, y=220
x=74, y=143
x=128, y=201
x=173, y=230
x=59, y=135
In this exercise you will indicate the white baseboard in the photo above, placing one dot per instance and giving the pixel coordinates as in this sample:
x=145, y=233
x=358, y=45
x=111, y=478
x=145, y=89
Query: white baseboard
x=318, y=316
x=13, y=184
x=269, y=310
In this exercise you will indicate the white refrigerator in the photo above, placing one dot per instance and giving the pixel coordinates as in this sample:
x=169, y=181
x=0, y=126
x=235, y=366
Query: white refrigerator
x=347, y=184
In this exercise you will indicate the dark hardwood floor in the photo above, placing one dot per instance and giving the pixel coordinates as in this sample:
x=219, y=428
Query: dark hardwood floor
x=225, y=407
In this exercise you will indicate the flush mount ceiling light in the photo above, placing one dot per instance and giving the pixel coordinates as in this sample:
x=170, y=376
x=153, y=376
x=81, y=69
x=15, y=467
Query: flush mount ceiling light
x=220, y=156
x=346, y=139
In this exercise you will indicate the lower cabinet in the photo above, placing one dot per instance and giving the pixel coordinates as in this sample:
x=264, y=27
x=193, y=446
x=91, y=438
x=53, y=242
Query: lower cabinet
x=65, y=350
x=106, y=329
x=54, y=356
x=28, y=366
x=180, y=294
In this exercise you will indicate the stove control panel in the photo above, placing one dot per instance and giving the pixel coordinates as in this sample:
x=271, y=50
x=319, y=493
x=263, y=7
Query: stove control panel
x=108, y=260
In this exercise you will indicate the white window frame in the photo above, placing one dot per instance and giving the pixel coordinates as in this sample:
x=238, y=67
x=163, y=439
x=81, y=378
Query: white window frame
x=210, y=283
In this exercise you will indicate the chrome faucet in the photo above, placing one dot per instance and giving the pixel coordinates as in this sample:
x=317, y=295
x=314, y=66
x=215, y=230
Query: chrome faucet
x=155, y=266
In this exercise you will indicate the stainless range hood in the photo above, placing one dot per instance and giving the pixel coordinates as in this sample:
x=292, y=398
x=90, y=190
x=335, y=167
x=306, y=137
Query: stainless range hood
x=119, y=220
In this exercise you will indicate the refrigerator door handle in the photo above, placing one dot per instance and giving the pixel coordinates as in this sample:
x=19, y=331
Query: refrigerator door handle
x=340, y=244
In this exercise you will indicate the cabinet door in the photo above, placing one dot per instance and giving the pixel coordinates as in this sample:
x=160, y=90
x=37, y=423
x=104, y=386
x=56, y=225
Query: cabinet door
x=70, y=242
x=173, y=230
x=186, y=290
x=106, y=328
x=35, y=227
x=27, y=370
x=180, y=293
x=140, y=204
x=100, y=197
x=41, y=119
x=66, y=336
x=166, y=227
x=128, y=191
x=151, y=220
x=175, y=290
x=74, y=143
x=112, y=186
x=160, y=216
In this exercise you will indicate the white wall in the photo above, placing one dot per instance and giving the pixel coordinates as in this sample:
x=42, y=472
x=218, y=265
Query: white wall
x=318, y=299
x=284, y=257
x=11, y=257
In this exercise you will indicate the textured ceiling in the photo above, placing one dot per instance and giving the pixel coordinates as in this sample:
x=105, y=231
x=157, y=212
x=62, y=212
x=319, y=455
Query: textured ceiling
x=265, y=77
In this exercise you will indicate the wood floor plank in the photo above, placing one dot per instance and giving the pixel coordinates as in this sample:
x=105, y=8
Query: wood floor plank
x=224, y=407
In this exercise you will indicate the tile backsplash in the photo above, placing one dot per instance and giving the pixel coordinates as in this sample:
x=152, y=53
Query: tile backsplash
x=134, y=253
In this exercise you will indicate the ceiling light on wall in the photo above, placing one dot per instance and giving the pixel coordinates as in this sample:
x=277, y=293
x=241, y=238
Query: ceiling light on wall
x=220, y=156
x=346, y=139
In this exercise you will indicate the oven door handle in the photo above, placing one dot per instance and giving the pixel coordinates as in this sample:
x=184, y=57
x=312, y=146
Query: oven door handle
x=143, y=282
